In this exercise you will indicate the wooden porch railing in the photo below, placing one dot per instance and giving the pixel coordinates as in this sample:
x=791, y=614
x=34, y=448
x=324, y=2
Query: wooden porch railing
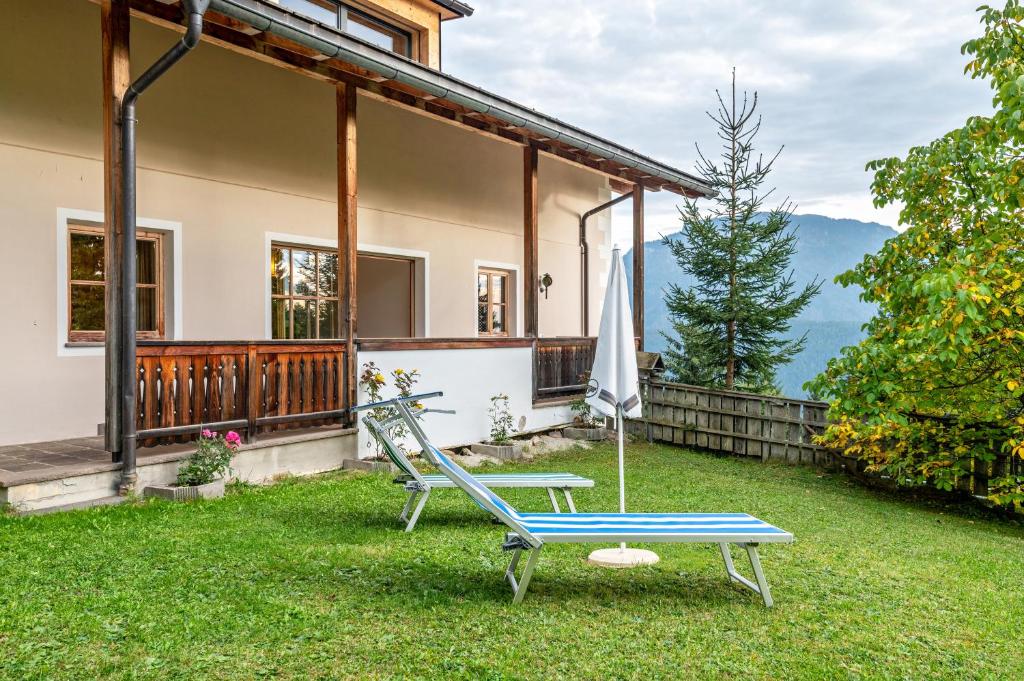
x=560, y=366
x=256, y=387
x=250, y=386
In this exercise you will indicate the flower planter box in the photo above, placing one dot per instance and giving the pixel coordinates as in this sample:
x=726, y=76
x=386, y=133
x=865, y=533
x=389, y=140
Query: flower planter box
x=369, y=465
x=506, y=452
x=211, y=490
x=590, y=434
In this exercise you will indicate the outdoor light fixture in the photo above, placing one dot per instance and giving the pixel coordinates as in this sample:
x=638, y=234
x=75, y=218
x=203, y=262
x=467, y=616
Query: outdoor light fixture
x=545, y=283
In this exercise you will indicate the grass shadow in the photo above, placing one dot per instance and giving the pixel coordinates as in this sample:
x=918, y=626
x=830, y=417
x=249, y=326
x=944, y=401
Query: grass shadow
x=553, y=585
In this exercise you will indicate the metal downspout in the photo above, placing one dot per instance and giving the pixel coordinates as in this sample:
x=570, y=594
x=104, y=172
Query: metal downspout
x=585, y=259
x=194, y=10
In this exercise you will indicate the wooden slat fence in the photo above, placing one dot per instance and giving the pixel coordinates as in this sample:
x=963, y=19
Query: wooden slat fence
x=250, y=386
x=770, y=428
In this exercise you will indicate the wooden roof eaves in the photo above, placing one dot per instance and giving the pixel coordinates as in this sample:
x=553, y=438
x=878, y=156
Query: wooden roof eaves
x=592, y=153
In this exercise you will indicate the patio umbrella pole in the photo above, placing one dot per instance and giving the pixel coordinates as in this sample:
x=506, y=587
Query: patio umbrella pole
x=622, y=468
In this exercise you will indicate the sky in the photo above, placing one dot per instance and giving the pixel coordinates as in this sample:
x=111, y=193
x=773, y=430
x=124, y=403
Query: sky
x=839, y=82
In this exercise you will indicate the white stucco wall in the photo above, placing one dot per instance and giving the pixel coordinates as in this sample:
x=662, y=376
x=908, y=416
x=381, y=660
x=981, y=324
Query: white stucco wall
x=468, y=378
x=234, y=152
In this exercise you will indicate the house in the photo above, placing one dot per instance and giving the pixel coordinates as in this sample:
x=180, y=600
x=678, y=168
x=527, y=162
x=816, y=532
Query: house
x=312, y=192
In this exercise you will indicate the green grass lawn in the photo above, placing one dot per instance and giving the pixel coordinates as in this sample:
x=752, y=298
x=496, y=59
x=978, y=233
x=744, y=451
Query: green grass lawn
x=314, y=578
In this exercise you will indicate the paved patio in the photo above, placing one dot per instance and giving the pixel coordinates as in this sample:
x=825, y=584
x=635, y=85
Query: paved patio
x=44, y=455
x=58, y=458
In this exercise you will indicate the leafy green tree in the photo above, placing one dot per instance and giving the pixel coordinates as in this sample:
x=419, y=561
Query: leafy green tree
x=935, y=392
x=728, y=326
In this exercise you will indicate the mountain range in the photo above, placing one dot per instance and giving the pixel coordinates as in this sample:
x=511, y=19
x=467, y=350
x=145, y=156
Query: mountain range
x=826, y=247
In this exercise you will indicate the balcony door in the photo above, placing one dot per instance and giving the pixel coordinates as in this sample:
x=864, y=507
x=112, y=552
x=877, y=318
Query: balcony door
x=386, y=288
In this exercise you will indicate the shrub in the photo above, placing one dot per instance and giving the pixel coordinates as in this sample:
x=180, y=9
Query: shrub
x=502, y=426
x=373, y=382
x=211, y=460
x=582, y=414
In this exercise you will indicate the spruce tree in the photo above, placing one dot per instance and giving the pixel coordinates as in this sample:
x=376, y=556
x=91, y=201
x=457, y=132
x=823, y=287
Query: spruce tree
x=728, y=326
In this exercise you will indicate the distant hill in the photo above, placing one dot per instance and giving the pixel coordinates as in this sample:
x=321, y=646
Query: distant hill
x=826, y=247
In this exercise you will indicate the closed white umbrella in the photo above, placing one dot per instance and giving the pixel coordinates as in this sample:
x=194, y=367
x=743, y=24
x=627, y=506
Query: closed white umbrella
x=615, y=391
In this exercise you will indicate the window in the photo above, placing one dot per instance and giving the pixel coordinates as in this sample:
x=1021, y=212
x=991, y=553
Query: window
x=322, y=11
x=377, y=32
x=492, y=302
x=303, y=292
x=87, y=289
x=353, y=21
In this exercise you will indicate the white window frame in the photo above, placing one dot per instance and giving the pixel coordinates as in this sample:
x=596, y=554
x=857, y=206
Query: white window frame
x=70, y=216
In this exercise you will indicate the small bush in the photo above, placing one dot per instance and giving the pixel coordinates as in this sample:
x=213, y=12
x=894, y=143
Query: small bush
x=373, y=382
x=582, y=415
x=211, y=460
x=502, y=425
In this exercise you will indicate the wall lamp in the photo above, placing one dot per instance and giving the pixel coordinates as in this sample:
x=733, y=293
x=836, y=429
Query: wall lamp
x=545, y=283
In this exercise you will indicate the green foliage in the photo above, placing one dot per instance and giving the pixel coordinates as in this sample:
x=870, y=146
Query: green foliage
x=937, y=383
x=727, y=326
x=373, y=382
x=210, y=460
x=502, y=424
x=583, y=416
x=313, y=578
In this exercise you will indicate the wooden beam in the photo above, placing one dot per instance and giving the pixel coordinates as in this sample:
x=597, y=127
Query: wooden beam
x=638, y=263
x=530, y=240
x=348, y=233
x=620, y=186
x=114, y=31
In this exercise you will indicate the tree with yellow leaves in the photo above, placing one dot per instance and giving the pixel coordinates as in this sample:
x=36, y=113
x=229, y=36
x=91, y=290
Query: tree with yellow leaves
x=937, y=386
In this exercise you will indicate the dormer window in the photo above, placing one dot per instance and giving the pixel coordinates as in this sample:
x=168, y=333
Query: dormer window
x=355, y=22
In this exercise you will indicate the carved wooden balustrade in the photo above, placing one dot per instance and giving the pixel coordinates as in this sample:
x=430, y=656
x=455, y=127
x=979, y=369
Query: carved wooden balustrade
x=561, y=366
x=250, y=386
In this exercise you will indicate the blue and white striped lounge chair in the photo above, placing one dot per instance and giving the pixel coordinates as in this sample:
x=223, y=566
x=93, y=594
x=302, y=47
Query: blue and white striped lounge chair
x=531, y=531
x=416, y=483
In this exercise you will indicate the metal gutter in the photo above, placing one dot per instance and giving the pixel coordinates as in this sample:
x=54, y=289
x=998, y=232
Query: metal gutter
x=460, y=8
x=336, y=44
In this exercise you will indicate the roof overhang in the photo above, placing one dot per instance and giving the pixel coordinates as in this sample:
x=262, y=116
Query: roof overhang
x=454, y=9
x=272, y=33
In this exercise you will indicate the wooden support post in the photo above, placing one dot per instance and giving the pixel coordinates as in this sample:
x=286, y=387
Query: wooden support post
x=638, y=263
x=253, y=372
x=348, y=235
x=531, y=277
x=114, y=29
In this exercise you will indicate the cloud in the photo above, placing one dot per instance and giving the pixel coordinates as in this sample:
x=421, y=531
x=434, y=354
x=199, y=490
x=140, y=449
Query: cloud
x=839, y=82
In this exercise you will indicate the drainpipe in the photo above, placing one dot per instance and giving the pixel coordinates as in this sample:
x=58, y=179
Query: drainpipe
x=585, y=259
x=194, y=11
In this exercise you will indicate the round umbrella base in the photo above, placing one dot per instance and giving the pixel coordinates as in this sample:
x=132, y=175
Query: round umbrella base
x=622, y=558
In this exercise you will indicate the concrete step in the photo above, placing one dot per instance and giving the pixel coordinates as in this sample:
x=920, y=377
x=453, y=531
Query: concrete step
x=78, y=505
x=60, y=488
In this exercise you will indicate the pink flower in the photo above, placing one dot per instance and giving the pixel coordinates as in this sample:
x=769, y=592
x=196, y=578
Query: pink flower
x=233, y=439
x=207, y=433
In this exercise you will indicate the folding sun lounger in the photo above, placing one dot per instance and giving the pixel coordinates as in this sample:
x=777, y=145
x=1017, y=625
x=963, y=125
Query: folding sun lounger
x=531, y=531
x=417, y=483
